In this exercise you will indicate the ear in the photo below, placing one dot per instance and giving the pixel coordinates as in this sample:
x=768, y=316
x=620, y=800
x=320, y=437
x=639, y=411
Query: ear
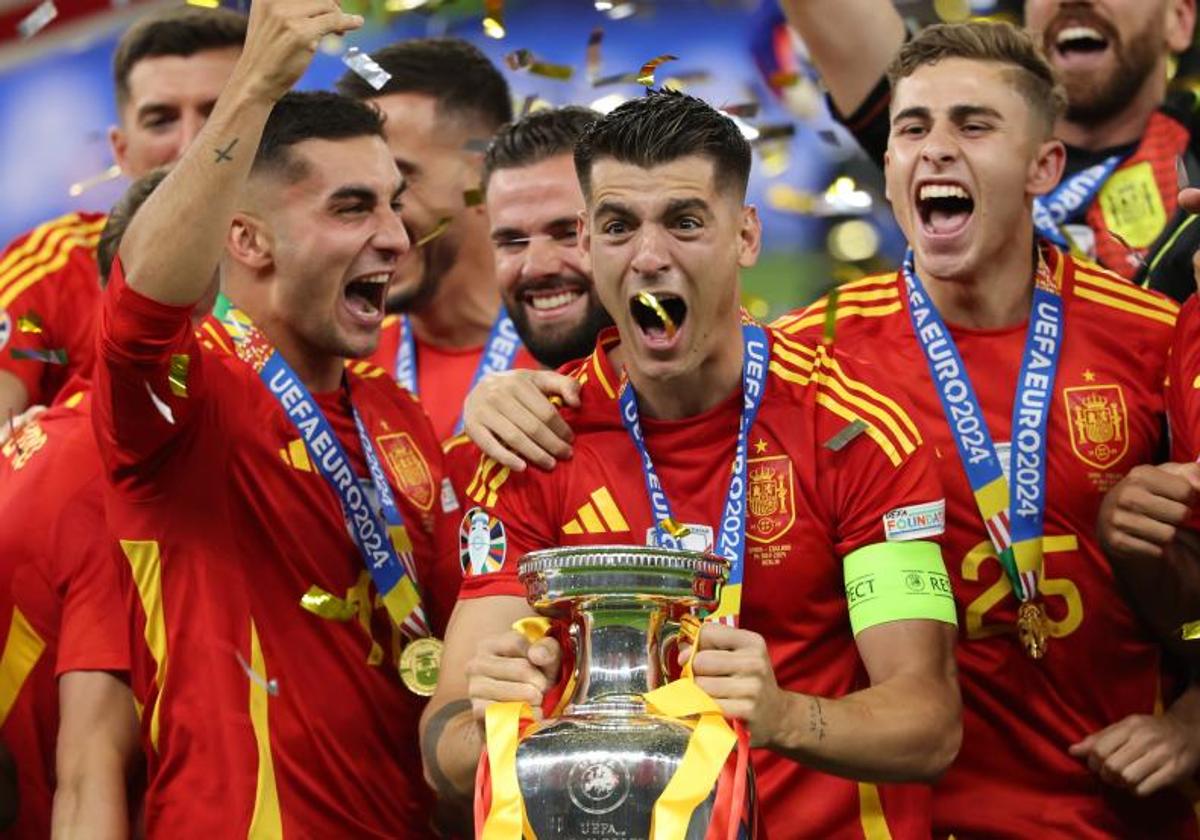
x=749, y=237
x=887, y=163
x=583, y=232
x=119, y=143
x=1046, y=169
x=249, y=242
x=1180, y=23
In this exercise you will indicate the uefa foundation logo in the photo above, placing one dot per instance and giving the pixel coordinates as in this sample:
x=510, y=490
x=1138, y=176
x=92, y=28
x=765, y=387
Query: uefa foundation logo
x=598, y=787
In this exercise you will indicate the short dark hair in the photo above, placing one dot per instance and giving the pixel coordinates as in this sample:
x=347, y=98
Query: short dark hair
x=1002, y=43
x=663, y=126
x=311, y=115
x=121, y=215
x=179, y=31
x=536, y=137
x=459, y=77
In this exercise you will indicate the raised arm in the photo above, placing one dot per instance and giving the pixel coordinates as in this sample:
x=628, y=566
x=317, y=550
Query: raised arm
x=851, y=42
x=173, y=244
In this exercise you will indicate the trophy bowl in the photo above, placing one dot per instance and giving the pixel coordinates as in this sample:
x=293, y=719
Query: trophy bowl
x=597, y=768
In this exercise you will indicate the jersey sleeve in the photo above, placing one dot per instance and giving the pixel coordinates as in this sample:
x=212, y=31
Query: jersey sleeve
x=48, y=286
x=149, y=383
x=1181, y=392
x=505, y=516
x=869, y=123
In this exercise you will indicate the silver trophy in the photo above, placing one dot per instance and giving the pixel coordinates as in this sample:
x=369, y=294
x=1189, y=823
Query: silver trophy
x=597, y=769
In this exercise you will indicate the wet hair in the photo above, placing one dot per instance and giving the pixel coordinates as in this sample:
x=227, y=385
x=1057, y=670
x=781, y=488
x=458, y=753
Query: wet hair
x=1002, y=43
x=460, y=78
x=121, y=215
x=311, y=115
x=663, y=126
x=536, y=137
x=181, y=31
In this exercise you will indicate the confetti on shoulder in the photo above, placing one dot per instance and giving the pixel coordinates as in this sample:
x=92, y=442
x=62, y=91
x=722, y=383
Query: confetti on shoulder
x=37, y=20
x=57, y=356
x=270, y=686
x=366, y=67
x=852, y=430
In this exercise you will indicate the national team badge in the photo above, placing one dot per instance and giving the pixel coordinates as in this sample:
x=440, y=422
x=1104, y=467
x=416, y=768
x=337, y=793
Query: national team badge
x=6, y=328
x=482, y=543
x=770, y=498
x=1099, y=424
x=408, y=468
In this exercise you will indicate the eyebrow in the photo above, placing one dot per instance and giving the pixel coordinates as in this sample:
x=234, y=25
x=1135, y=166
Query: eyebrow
x=683, y=205
x=958, y=113
x=152, y=108
x=508, y=233
x=614, y=208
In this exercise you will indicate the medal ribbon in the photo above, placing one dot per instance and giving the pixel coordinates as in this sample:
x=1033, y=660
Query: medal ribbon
x=1071, y=199
x=386, y=554
x=498, y=354
x=1014, y=521
x=730, y=541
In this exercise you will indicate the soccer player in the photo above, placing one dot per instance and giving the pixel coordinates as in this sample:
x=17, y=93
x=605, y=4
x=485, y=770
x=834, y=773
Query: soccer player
x=1125, y=137
x=1037, y=376
x=443, y=102
x=168, y=69
x=66, y=654
x=838, y=698
x=276, y=508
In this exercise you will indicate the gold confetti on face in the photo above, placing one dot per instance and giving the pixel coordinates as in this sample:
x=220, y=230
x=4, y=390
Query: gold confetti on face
x=30, y=322
x=177, y=374
x=473, y=197
x=437, y=231
x=646, y=74
x=651, y=302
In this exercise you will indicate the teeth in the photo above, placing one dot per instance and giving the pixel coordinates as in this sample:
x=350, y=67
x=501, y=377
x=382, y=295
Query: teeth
x=942, y=191
x=376, y=279
x=544, y=302
x=1078, y=33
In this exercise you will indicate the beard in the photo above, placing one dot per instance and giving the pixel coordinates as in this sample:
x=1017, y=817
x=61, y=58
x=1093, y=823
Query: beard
x=419, y=276
x=554, y=345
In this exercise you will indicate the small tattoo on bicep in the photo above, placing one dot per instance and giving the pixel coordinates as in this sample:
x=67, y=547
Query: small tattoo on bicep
x=816, y=719
x=224, y=154
x=429, y=744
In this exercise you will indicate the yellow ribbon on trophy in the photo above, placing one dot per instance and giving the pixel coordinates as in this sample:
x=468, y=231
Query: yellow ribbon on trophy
x=708, y=748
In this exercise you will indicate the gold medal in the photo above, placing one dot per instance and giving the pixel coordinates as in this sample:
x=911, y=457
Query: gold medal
x=1032, y=629
x=420, y=662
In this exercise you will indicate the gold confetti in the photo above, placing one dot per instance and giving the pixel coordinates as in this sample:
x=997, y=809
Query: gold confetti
x=776, y=158
x=319, y=602
x=1190, y=631
x=593, y=54
x=651, y=302
x=473, y=197
x=952, y=11
x=783, y=79
x=177, y=374
x=674, y=528
x=30, y=322
x=80, y=187
x=205, y=4
x=646, y=74
x=437, y=231
x=788, y=199
x=493, y=18
x=525, y=60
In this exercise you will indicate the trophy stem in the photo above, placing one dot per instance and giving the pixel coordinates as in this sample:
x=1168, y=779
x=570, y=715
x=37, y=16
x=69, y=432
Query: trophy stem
x=618, y=655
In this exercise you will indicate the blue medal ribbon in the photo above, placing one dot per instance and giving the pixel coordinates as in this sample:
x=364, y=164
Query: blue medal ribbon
x=1071, y=199
x=381, y=545
x=730, y=541
x=1014, y=521
x=501, y=348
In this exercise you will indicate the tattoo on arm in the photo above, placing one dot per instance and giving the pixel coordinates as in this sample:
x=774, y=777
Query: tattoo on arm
x=224, y=154
x=816, y=719
x=429, y=745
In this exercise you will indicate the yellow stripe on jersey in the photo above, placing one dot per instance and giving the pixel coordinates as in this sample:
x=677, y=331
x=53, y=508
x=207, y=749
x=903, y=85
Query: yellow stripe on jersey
x=453, y=442
x=598, y=369
x=217, y=335
x=894, y=412
x=60, y=240
x=1117, y=284
x=870, y=813
x=33, y=243
x=36, y=275
x=1125, y=305
x=146, y=563
x=22, y=650
x=485, y=484
x=266, y=823
x=806, y=321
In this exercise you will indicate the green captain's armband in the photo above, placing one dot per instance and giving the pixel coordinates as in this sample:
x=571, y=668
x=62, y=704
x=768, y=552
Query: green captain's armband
x=894, y=581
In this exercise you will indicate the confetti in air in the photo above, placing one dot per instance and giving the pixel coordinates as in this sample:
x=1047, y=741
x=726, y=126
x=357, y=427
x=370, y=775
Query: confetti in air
x=37, y=20
x=269, y=686
x=524, y=59
x=437, y=231
x=80, y=187
x=163, y=408
x=177, y=375
x=646, y=75
x=493, y=18
x=366, y=68
x=30, y=322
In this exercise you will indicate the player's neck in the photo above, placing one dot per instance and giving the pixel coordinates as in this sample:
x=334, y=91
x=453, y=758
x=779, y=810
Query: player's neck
x=464, y=307
x=319, y=371
x=1123, y=127
x=996, y=296
x=695, y=391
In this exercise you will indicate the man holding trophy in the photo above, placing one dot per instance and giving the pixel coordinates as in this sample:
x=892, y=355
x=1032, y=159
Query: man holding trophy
x=834, y=645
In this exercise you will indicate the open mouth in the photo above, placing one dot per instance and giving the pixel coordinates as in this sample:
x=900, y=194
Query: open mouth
x=659, y=315
x=1076, y=37
x=365, y=295
x=945, y=209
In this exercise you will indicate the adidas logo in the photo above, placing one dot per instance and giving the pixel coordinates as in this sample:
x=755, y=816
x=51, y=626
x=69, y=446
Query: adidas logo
x=598, y=516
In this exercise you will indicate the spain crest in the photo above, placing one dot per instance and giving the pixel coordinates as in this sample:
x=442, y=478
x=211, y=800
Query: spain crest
x=482, y=543
x=409, y=469
x=1099, y=424
x=770, y=498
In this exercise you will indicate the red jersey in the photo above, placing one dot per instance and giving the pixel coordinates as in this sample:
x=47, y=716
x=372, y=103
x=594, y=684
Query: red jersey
x=267, y=663
x=59, y=597
x=444, y=374
x=49, y=291
x=1183, y=407
x=1013, y=776
x=813, y=506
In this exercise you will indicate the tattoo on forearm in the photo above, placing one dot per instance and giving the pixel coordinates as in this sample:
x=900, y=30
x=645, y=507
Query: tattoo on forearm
x=816, y=719
x=224, y=154
x=429, y=744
